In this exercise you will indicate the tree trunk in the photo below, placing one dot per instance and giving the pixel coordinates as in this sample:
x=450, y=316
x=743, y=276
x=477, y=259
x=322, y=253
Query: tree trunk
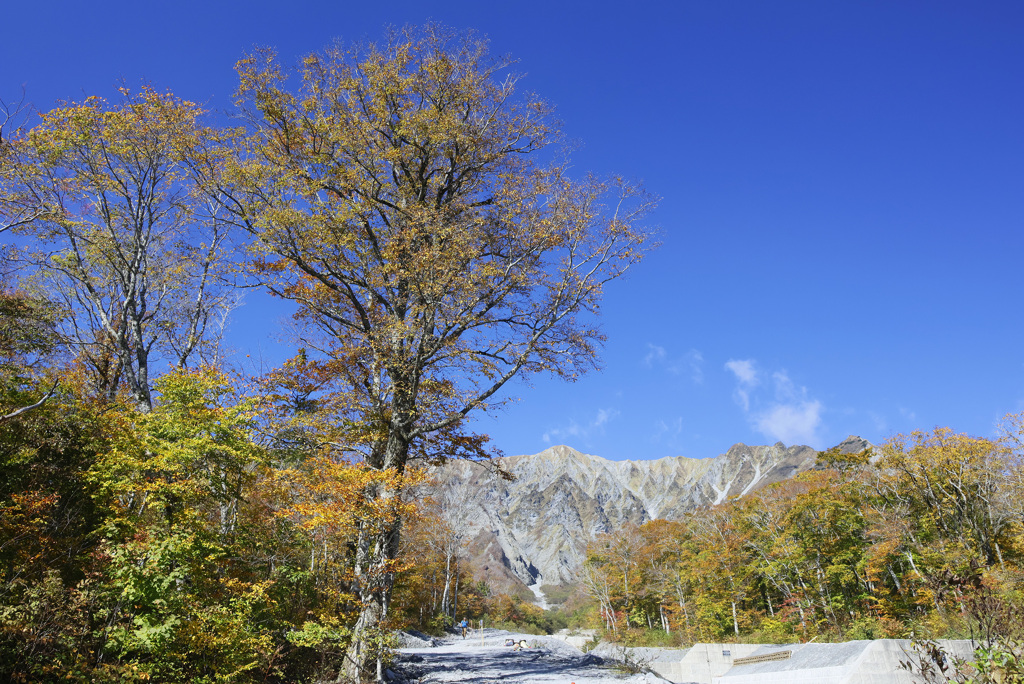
x=376, y=549
x=455, y=595
x=374, y=581
x=445, y=597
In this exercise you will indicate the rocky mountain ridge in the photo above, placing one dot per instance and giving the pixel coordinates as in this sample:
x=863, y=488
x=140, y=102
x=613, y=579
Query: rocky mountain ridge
x=533, y=529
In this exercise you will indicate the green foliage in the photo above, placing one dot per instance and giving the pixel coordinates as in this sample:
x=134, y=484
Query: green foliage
x=164, y=550
x=646, y=638
x=866, y=546
x=1001, y=661
x=996, y=661
x=178, y=530
x=399, y=226
x=505, y=611
x=558, y=594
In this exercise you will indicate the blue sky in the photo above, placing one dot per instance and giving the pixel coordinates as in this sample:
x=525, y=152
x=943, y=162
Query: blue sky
x=842, y=193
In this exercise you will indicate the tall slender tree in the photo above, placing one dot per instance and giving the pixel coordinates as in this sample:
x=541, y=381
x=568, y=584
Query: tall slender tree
x=121, y=239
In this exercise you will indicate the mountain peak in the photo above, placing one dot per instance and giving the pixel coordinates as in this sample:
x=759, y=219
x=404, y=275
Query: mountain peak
x=854, y=444
x=535, y=528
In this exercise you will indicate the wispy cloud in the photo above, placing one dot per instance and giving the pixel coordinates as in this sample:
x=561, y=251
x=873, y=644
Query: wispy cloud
x=655, y=354
x=581, y=432
x=744, y=370
x=691, y=362
x=668, y=432
x=791, y=415
x=746, y=380
x=603, y=416
x=695, y=362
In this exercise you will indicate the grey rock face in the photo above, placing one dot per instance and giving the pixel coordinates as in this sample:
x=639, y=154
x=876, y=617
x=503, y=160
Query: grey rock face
x=535, y=528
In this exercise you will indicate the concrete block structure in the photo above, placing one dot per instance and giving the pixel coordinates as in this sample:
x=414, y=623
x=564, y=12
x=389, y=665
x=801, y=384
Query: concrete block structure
x=851, y=662
x=704, y=662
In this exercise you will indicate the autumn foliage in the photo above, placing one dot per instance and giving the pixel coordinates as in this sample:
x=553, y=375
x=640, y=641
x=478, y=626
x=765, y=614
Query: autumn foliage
x=168, y=521
x=885, y=544
x=165, y=517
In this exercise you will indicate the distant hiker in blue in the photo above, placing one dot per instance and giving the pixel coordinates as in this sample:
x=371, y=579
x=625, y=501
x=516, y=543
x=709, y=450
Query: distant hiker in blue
x=465, y=627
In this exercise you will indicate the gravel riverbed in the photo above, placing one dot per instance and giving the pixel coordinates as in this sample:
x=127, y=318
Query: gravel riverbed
x=484, y=658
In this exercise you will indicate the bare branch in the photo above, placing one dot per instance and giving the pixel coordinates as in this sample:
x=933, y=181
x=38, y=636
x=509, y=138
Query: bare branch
x=25, y=409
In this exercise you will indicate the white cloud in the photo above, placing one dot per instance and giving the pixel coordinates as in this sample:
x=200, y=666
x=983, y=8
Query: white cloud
x=654, y=354
x=692, y=362
x=796, y=423
x=746, y=379
x=695, y=361
x=791, y=416
x=668, y=432
x=560, y=434
x=785, y=390
x=603, y=416
x=744, y=370
x=879, y=421
x=578, y=432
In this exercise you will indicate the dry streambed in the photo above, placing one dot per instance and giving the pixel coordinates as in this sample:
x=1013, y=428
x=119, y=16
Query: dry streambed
x=486, y=659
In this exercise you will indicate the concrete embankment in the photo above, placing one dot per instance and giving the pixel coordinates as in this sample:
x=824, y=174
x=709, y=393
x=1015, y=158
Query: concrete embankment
x=853, y=662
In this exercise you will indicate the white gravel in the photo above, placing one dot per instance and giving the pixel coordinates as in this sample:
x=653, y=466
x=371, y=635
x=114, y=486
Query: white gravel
x=546, y=660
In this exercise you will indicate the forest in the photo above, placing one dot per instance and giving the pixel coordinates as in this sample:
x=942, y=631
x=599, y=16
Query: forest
x=918, y=538
x=168, y=515
x=171, y=515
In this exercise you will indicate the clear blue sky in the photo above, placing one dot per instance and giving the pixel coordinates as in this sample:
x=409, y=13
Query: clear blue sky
x=842, y=184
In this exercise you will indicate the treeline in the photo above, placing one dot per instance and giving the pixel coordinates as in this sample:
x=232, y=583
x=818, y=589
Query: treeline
x=207, y=539
x=918, y=538
x=184, y=543
x=439, y=585
x=169, y=517
x=166, y=517
x=418, y=211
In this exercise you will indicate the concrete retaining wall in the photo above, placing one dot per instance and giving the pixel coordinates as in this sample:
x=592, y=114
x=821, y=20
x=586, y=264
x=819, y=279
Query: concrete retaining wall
x=703, y=662
x=699, y=663
x=851, y=662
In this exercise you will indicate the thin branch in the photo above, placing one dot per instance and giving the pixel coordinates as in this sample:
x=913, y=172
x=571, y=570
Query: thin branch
x=26, y=409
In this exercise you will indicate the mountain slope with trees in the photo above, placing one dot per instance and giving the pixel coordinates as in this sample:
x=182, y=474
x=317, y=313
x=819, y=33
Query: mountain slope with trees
x=916, y=536
x=534, y=527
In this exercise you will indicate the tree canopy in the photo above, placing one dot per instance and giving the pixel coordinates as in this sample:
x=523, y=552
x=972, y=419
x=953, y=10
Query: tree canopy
x=414, y=203
x=417, y=209
x=123, y=242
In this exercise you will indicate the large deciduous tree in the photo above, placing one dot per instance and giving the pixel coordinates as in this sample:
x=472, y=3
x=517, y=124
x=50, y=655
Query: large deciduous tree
x=123, y=241
x=417, y=207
